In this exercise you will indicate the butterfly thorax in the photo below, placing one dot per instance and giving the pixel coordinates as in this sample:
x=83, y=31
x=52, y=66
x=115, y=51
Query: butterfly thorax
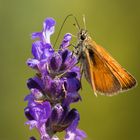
x=81, y=43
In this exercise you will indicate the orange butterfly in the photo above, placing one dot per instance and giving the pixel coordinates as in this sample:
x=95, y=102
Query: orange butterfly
x=103, y=72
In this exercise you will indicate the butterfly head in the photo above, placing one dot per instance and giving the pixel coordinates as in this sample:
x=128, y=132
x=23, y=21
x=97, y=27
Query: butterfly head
x=82, y=35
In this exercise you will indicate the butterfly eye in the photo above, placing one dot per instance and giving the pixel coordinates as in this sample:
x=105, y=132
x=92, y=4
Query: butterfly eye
x=82, y=37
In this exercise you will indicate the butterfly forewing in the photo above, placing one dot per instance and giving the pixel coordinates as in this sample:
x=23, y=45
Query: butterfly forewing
x=100, y=76
x=104, y=73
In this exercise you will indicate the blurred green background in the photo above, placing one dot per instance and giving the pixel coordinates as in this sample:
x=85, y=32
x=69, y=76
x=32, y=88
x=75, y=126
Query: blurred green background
x=115, y=24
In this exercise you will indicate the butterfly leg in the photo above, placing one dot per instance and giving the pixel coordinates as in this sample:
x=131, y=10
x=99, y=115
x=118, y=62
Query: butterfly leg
x=81, y=72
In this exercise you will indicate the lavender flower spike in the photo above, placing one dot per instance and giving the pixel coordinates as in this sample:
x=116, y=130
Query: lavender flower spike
x=53, y=88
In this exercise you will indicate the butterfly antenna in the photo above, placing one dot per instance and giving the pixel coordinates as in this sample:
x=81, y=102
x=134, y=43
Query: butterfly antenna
x=77, y=25
x=84, y=21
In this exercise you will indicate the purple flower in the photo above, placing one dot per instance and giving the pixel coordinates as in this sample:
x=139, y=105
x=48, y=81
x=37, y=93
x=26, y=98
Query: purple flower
x=61, y=118
x=75, y=135
x=37, y=113
x=66, y=41
x=48, y=30
x=54, y=87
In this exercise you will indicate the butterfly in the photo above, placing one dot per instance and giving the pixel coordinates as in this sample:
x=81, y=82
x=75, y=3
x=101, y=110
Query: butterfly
x=102, y=71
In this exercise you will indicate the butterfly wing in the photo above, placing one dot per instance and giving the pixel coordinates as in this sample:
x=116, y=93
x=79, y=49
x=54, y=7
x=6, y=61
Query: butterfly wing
x=99, y=75
x=105, y=70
